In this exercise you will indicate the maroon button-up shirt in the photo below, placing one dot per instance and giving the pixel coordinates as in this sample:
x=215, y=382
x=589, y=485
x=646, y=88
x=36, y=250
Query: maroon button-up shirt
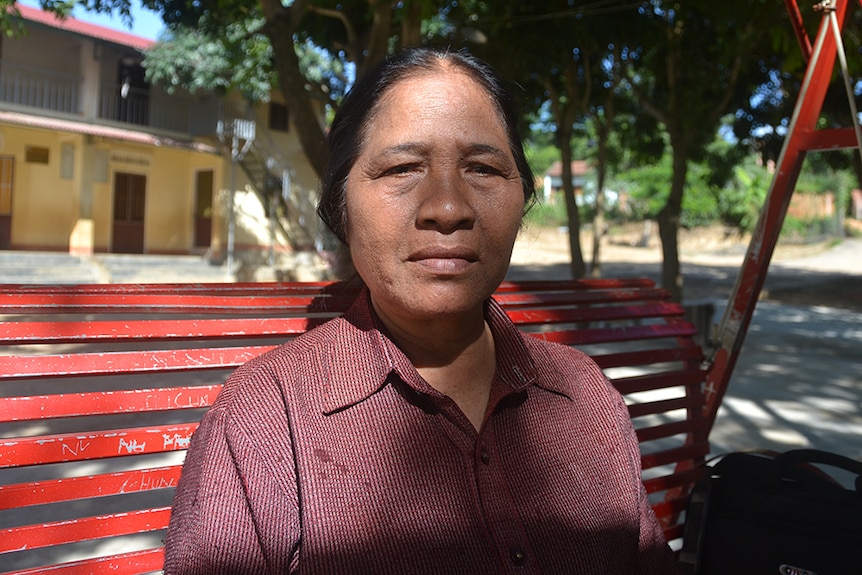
x=331, y=455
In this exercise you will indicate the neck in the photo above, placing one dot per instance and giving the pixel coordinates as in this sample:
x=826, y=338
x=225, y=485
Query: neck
x=456, y=356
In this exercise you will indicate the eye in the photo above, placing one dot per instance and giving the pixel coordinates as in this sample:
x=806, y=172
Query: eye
x=400, y=170
x=485, y=170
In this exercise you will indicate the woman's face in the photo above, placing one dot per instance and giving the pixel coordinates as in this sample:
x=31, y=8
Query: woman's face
x=434, y=200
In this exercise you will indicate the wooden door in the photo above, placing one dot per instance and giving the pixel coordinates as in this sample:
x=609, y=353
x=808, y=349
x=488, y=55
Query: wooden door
x=130, y=195
x=203, y=208
x=7, y=168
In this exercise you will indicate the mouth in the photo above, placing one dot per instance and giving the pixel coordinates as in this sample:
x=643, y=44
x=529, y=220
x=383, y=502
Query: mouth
x=444, y=261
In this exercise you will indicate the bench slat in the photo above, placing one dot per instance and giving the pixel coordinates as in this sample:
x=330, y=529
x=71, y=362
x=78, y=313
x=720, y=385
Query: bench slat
x=595, y=314
x=689, y=452
x=167, y=329
x=670, y=429
x=39, y=407
x=662, y=380
x=64, y=447
x=575, y=285
x=617, y=334
x=678, y=479
x=119, y=362
x=54, y=302
x=74, y=488
x=663, y=406
x=689, y=353
x=132, y=563
x=84, y=529
x=118, y=330
x=162, y=303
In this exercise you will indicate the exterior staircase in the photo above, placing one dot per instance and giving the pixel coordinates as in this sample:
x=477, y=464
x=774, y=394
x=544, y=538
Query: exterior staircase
x=290, y=207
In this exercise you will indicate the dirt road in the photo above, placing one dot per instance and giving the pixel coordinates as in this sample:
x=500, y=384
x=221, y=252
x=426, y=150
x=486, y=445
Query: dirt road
x=806, y=275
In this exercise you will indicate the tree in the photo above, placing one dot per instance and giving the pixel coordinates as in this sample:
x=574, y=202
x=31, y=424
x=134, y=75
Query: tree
x=692, y=63
x=562, y=66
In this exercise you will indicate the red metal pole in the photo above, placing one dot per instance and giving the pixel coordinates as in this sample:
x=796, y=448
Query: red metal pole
x=737, y=316
x=799, y=28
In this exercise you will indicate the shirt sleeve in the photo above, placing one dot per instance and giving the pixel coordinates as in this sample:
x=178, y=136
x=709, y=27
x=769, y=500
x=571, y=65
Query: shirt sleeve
x=230, y=501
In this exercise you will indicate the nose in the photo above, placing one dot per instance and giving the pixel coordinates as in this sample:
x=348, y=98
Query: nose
x=445, y=204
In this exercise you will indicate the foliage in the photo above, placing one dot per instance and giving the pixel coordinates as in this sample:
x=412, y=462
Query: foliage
x=196, y=62
x=739, y=202
x=647, y=190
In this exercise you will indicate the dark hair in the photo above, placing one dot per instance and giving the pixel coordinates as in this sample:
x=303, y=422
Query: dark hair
x=349, y=128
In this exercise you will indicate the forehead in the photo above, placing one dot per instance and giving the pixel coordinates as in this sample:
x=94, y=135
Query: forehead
x=446, y=90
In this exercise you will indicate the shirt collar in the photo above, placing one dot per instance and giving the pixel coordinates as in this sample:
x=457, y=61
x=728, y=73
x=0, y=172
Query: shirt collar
x=361, y=358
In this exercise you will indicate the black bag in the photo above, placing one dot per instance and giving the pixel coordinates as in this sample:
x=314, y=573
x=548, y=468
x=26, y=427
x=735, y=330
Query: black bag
x=771, y=514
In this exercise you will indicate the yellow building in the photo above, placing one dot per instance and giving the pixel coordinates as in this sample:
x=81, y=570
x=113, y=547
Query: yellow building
x=93, y=159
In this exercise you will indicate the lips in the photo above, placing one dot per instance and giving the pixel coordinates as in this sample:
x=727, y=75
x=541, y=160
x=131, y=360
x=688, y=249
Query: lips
x=444, y=260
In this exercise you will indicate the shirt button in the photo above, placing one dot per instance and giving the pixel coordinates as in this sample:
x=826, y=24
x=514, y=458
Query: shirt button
x=485, y=457
x=517, y=556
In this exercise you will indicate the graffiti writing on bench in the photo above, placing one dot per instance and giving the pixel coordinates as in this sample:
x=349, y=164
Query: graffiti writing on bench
x=131, y=446
x=176, y=441
x=145, y=482
x=76, y=448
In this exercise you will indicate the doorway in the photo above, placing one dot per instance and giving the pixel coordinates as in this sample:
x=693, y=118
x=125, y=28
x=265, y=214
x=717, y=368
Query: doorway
x=130, y=197
x=7, y=169
x=203, y=208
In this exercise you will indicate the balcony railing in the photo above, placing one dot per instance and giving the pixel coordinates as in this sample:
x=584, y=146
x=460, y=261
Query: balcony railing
x=46, y=89
x=38, y=87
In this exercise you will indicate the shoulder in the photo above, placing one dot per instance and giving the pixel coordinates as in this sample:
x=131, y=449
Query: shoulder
x=556, y=358
x=572, y=372
x=260, y=382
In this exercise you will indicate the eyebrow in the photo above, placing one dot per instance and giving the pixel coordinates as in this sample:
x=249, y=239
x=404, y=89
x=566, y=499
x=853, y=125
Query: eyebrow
x=481, y=149
x=476, y=149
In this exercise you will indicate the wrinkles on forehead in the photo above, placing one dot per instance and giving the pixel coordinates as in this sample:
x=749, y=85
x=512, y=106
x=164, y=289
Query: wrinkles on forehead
x=442, y=67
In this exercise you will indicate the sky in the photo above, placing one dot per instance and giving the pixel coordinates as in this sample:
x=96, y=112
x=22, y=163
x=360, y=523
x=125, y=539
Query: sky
x=146, y=23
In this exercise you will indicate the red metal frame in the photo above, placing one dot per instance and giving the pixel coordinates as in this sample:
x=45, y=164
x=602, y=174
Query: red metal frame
x=802, y=137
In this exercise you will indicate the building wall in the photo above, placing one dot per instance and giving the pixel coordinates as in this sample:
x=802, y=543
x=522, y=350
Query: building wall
x=48, y=208
x=41, y=216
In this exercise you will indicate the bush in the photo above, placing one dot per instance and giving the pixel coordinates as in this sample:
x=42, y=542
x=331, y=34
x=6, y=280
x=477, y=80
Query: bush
x=803, y=231
x=550, y=215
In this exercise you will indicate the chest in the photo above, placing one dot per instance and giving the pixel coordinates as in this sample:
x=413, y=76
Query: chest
x=390, y=481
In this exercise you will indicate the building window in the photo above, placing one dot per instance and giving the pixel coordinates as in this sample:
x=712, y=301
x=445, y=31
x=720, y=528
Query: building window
x=278, y=117
x=36, y=155
x=67, y=161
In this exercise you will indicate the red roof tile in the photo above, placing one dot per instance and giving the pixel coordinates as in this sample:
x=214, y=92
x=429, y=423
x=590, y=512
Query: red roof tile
x=71, y=24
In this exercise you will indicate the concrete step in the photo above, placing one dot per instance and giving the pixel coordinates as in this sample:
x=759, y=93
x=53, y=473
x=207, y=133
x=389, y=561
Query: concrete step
x=136, y=268
x=24, y=267
x=19, y=267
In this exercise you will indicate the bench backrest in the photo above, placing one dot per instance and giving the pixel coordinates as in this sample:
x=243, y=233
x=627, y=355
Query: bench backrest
x=103, y=386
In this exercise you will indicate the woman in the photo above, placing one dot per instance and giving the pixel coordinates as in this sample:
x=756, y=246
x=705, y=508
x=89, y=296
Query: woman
x=421, y=432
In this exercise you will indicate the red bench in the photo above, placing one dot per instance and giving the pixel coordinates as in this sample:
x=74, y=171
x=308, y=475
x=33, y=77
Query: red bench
x=102, y=387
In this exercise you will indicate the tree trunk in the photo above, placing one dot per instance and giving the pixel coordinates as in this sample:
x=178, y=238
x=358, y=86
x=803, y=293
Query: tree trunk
x=577, y=266
x=602, y=130
x=411, y=25
x=668, y=225
x=279, y=28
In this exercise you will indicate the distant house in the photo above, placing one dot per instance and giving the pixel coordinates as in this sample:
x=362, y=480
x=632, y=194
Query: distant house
x=94, y=159
x=552, y=180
